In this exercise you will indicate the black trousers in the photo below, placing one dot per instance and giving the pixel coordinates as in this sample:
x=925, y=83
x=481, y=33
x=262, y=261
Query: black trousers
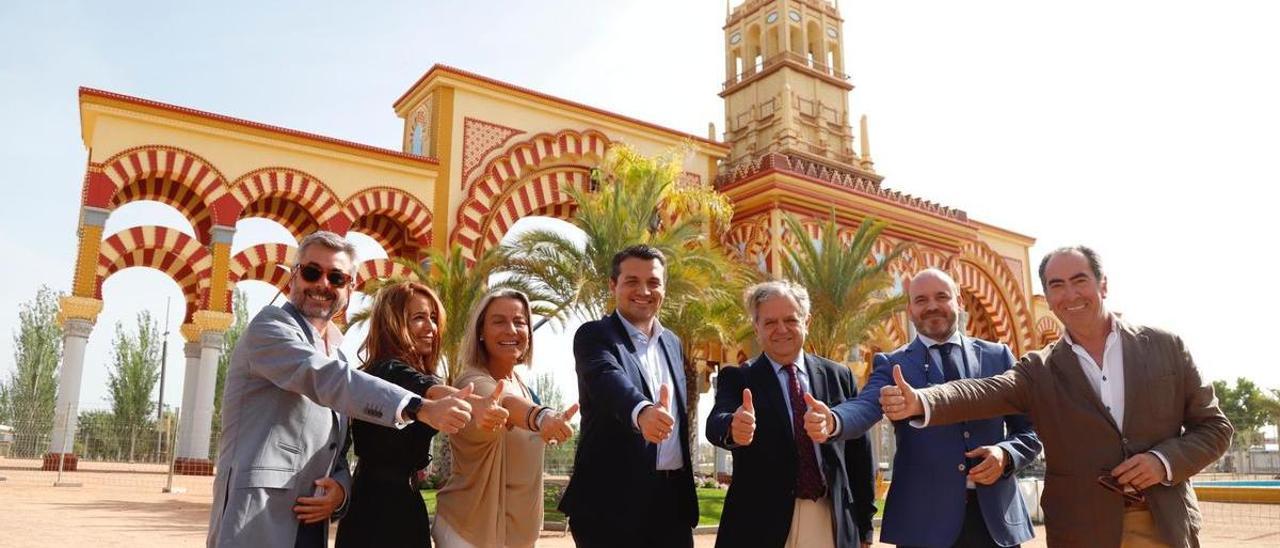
x=974, y=533
x=664, y=523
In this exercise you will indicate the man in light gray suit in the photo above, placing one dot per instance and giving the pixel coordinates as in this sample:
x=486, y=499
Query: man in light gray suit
x=289, y=391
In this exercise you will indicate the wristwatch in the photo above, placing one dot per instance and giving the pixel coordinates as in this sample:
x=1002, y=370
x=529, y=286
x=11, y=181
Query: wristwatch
x=411, y=409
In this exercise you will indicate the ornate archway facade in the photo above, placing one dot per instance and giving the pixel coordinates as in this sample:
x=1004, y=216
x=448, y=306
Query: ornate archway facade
x=477, y=155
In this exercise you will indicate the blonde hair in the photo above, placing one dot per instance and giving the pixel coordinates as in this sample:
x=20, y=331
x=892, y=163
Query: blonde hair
x=389, y=328
x=473, y=353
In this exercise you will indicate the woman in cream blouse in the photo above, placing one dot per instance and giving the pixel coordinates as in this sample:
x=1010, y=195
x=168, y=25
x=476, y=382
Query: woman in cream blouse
x=494, y=496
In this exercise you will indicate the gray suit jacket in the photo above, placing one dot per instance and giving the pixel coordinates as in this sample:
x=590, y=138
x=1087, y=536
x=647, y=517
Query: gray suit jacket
x=280, y=432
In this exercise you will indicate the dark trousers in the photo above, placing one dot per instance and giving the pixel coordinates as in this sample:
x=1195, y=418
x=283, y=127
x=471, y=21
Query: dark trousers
x=665, y=522
x=974, y=533
x=311, y=535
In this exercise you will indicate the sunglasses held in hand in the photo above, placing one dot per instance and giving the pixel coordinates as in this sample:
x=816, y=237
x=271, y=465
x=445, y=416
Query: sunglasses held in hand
x=1130, y=497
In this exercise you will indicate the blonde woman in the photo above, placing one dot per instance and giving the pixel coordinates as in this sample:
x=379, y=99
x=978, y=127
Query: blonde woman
x=494, y=497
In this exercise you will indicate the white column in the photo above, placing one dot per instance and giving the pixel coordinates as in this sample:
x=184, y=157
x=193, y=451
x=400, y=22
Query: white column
x=202, y=407
x=75, y=336
x=189, y=380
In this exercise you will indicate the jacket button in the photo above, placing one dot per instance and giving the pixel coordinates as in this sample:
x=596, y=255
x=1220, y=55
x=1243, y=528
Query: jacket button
x=966, y=434
x=960, y=467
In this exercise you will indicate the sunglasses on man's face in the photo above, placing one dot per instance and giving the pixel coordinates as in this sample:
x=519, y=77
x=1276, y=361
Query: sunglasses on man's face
x=312, y=272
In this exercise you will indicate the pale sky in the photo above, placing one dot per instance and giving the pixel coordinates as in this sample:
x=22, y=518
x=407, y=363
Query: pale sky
x=1145, y=129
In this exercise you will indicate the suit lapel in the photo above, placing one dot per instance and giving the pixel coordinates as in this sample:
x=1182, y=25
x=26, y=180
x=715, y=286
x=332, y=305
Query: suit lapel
x=1135, y=372
x=1067, y=365
x=629, y=361
x=817, y=378
x=770, y=389
x=675, y=369
x=975, y=365
x=918, y=360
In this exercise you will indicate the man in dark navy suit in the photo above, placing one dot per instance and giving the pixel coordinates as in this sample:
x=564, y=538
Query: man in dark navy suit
x=953, y=486
x=632, y=482
x=788, y=491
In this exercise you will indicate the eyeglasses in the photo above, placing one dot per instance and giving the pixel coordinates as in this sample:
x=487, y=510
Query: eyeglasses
x=1130, y=497
x=311, y=273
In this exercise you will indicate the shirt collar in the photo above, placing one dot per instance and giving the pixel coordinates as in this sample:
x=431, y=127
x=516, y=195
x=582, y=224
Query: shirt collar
x=955, y=339
x=1111, y=319
x=777, y=367
x=639, y=335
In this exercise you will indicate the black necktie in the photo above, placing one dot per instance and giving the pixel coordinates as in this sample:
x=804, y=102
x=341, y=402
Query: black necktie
x=949, y=370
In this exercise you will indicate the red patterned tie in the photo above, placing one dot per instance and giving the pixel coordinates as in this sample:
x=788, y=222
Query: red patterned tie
x=809, y=484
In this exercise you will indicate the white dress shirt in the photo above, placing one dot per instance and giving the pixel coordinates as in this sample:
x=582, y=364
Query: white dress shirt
x=656, y=372
x=1107, y=381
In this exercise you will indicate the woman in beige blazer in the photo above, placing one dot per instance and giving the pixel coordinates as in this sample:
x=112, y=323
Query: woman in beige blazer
x=494, y=496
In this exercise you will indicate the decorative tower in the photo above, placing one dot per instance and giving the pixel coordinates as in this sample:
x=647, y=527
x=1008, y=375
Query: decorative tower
x=785, y=89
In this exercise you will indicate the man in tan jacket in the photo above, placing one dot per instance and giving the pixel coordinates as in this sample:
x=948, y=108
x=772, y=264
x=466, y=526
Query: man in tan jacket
x=1122, y=411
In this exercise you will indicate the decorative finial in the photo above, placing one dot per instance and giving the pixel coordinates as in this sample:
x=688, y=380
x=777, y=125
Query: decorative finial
x=867, y=164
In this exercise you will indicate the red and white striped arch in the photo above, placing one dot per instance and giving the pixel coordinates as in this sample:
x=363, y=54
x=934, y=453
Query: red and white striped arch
x=984, y=274
x=388, y=232
x=494, y=202
x=412, y=217
x=175, y=254
x=268, y=263
x=541, y=195
x=169, y=175
x=288, y=196
x=374, y=269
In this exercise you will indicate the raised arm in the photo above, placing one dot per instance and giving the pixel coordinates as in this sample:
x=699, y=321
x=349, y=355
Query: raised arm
x=279, y=355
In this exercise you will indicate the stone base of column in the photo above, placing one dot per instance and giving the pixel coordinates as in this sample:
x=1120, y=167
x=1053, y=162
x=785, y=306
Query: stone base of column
x=51, y=461
x=184, y=466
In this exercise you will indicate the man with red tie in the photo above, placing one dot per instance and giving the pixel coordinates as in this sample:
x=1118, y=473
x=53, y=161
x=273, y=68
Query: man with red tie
x=788, y=490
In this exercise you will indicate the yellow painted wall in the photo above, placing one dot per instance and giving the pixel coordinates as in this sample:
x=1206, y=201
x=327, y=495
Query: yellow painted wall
x=534, y=116
x=235, y=153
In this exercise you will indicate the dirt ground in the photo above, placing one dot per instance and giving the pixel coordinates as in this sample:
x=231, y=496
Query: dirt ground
x=127, y=509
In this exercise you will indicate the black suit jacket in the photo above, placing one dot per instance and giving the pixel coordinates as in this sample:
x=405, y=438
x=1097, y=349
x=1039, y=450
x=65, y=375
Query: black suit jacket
x=614, y=468
x=759, y=505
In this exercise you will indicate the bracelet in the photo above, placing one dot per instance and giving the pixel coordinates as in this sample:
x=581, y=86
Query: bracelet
x=528, y=419
x=537, y=419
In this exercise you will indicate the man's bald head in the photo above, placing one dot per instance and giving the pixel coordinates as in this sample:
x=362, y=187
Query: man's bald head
x=933, y=303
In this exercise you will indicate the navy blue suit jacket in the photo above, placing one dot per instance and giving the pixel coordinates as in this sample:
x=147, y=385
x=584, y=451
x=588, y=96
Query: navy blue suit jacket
x=758, y=508
x=614, y=468
x=925, y=505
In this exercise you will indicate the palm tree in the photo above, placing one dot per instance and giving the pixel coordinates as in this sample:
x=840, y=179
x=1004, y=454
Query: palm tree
x=848, y=284
x=636, y=199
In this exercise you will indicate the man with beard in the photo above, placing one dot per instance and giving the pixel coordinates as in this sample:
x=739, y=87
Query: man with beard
x=1123, y=411
x=288, y=392
x=952, y=485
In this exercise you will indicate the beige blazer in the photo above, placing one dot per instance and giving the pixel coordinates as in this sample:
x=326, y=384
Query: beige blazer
x=1168, y=408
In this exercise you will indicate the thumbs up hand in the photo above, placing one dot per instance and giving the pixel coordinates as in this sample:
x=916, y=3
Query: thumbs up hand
x=490, y=415
x=448, y=414
x=819, y=421
x=655, y=421
x=743, y=427
x=899, y=401
x=555, y=426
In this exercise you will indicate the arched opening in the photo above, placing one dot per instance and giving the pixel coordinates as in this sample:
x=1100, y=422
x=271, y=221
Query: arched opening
x=148, y=213
x=814, y=52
